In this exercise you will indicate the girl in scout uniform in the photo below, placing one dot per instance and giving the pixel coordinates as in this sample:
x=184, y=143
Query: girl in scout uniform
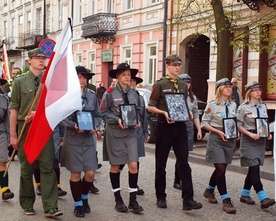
x=78, y=152
x=193, y=107
x=219, y=149
x=252, y=146
x=120, y=141
x=4, y=138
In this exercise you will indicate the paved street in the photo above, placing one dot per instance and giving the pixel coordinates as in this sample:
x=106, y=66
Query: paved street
x=102, y=204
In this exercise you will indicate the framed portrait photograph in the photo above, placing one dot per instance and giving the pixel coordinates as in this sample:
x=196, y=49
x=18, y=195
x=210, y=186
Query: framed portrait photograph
x=177, y=107
x=230, y=128
x=85, y=120
x=262, y=126
x=128, y=115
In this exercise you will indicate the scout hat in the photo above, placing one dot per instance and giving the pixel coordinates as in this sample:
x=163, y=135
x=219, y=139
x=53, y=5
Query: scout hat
x=3, y=81
x=251, y=85
x=137, y=79
x=121, y=67
x=234, y=80
x=173, y=59
x=185, y=77
x=83, y=71
x=223, y=81
x=36, y=52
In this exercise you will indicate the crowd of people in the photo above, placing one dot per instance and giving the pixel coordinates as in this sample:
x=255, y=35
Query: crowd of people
x=74, y=147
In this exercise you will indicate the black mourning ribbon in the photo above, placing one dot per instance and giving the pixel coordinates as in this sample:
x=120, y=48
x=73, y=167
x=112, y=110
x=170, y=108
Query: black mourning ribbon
x=258, y=110
x=126, y=101
x=37, y=81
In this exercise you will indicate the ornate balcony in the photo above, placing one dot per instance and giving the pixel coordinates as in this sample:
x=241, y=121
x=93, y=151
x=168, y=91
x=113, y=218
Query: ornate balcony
x=100, y=27
x=30, y=39
x=254, y=4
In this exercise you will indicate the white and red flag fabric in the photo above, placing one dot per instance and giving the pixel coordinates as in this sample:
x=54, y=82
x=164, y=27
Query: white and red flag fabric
x=5, y=64
x=60, y=97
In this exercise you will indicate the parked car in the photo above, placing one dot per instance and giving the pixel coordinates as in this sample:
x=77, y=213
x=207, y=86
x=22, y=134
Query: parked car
x=152, y=118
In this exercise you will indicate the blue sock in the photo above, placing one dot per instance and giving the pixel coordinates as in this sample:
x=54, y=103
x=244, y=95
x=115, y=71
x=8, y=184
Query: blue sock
x=245, y=192
x=84, y=196
x=224, y=196
x=262, y=195
x=78, y=203
x=210, y=187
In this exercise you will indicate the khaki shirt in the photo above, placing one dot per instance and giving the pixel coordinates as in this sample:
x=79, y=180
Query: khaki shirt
x=23, y=93
x=214, y=113
x=157, y=97
x=247, y=113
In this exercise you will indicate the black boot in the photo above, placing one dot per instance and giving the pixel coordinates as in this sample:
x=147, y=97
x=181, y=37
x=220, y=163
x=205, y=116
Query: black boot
x=133, y=204
x=86, y=207
x=120, y=206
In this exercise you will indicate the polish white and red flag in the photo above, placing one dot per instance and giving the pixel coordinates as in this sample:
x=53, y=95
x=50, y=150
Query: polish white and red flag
x=60, y=97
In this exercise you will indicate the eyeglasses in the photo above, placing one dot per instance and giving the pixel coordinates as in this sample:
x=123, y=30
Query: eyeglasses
x=176, y=65
x=256, y=90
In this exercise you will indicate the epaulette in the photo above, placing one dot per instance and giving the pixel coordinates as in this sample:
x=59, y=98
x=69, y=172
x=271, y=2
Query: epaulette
x=109, y=89
x=212, y=102
x=88, y=89
x=20, y=75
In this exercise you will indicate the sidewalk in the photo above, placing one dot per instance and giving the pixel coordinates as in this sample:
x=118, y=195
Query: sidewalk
x=198, y=156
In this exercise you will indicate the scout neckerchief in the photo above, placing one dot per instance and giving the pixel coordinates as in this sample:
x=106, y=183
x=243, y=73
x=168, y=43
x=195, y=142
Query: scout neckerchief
x=174, y=81
x=123, y=92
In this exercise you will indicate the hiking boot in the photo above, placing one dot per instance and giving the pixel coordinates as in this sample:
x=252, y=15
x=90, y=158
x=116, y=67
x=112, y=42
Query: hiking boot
x=177, y=186
x=161, y=203
x=191, y=204
x=86, y=207
x=267, y=203
x=210, y=195
x=53, y=213
x=79, y=212
x=29, y=211
x=38, y=191
x=247, y=200
x=228, y=206
x=133, y=204
x=140, y=191
x=93, y=189
x=120, y=205
x=7, y=195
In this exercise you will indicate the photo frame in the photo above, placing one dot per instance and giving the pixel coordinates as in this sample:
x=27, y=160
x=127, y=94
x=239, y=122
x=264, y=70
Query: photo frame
x=262, y=126
x=230, y=128
x=128, y=115
x=178, y=109
x=85, y=120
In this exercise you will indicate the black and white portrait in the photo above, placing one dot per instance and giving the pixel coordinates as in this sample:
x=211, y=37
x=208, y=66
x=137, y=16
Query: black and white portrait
x=85, y=121
x=230, y=128
x=262, y=127
x=128, y=115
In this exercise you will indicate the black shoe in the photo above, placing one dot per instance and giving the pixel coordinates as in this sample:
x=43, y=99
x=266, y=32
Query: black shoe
x=7, y=195
x=140, y=191
x=120, y=206
x=86, y=207
x=99, y=165
x=38, y=191
x=93, y=189
x=191, y=204
x=161, y=203
x=79, y=211
x=135, y=207
x=177, y=186
x=267, y=203
x=61, y=192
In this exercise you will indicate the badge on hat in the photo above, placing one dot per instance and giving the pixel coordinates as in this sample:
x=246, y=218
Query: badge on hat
x=223, y=81
x=36, y=52
x=251, y=85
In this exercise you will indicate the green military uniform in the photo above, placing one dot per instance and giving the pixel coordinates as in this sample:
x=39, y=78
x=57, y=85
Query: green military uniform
x=23, y=93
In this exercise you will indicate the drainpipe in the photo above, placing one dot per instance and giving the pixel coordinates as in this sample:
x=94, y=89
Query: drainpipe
x=165, y=37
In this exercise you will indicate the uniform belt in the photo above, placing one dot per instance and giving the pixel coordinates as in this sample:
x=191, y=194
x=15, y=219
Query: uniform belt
x=252, y=131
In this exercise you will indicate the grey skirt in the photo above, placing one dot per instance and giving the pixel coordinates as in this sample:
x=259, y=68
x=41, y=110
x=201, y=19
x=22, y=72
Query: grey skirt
x=121, y=145
x=252, y=151
x=4, y=147
x=219, y=151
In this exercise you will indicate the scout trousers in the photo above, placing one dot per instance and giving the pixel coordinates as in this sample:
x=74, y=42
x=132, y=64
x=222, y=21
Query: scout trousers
x=172, y=136
x=49, y=191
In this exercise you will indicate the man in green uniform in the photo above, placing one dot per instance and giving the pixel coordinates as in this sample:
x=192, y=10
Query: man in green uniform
x=23, y=93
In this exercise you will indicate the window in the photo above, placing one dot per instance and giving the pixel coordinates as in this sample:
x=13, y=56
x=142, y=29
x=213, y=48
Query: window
x=12, y=29
x=80, y=11
x=92, y=7
x=92, y=65
x=155, y=1
x=60, y=15
x=151, y=60
x=129, y=4
x=126, y=55
x=29, y=19
x=5, y=28
x=110, y=6
x=78, y=59
x=20, y=19
x=38, y=18
x=48, y=18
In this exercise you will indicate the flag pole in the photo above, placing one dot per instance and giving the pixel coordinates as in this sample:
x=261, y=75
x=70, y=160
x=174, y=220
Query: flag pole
x=36, y=98
x=6, y=60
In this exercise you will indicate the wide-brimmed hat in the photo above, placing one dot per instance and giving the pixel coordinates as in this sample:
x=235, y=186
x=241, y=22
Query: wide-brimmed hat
x=137, y=79
x=223, y=81
x=122, y=67
x=185, y=77
x=36, y=52
x=251, y=85
x=3, y=81
x=85, y=72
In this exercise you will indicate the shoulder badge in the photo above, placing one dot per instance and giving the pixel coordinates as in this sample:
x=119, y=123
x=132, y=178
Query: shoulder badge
x=109, y=89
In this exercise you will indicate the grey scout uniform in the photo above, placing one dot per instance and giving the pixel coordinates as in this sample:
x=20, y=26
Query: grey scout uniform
x=218, y=151
x=4, y=128
x=193, y=107
x=78, y=152
x=252, y=151
x=120, y=144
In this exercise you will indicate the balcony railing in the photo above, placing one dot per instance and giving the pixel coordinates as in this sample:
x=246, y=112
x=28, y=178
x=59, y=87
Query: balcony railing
x=30, y=39
x=100, y=27
x=254, y=4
